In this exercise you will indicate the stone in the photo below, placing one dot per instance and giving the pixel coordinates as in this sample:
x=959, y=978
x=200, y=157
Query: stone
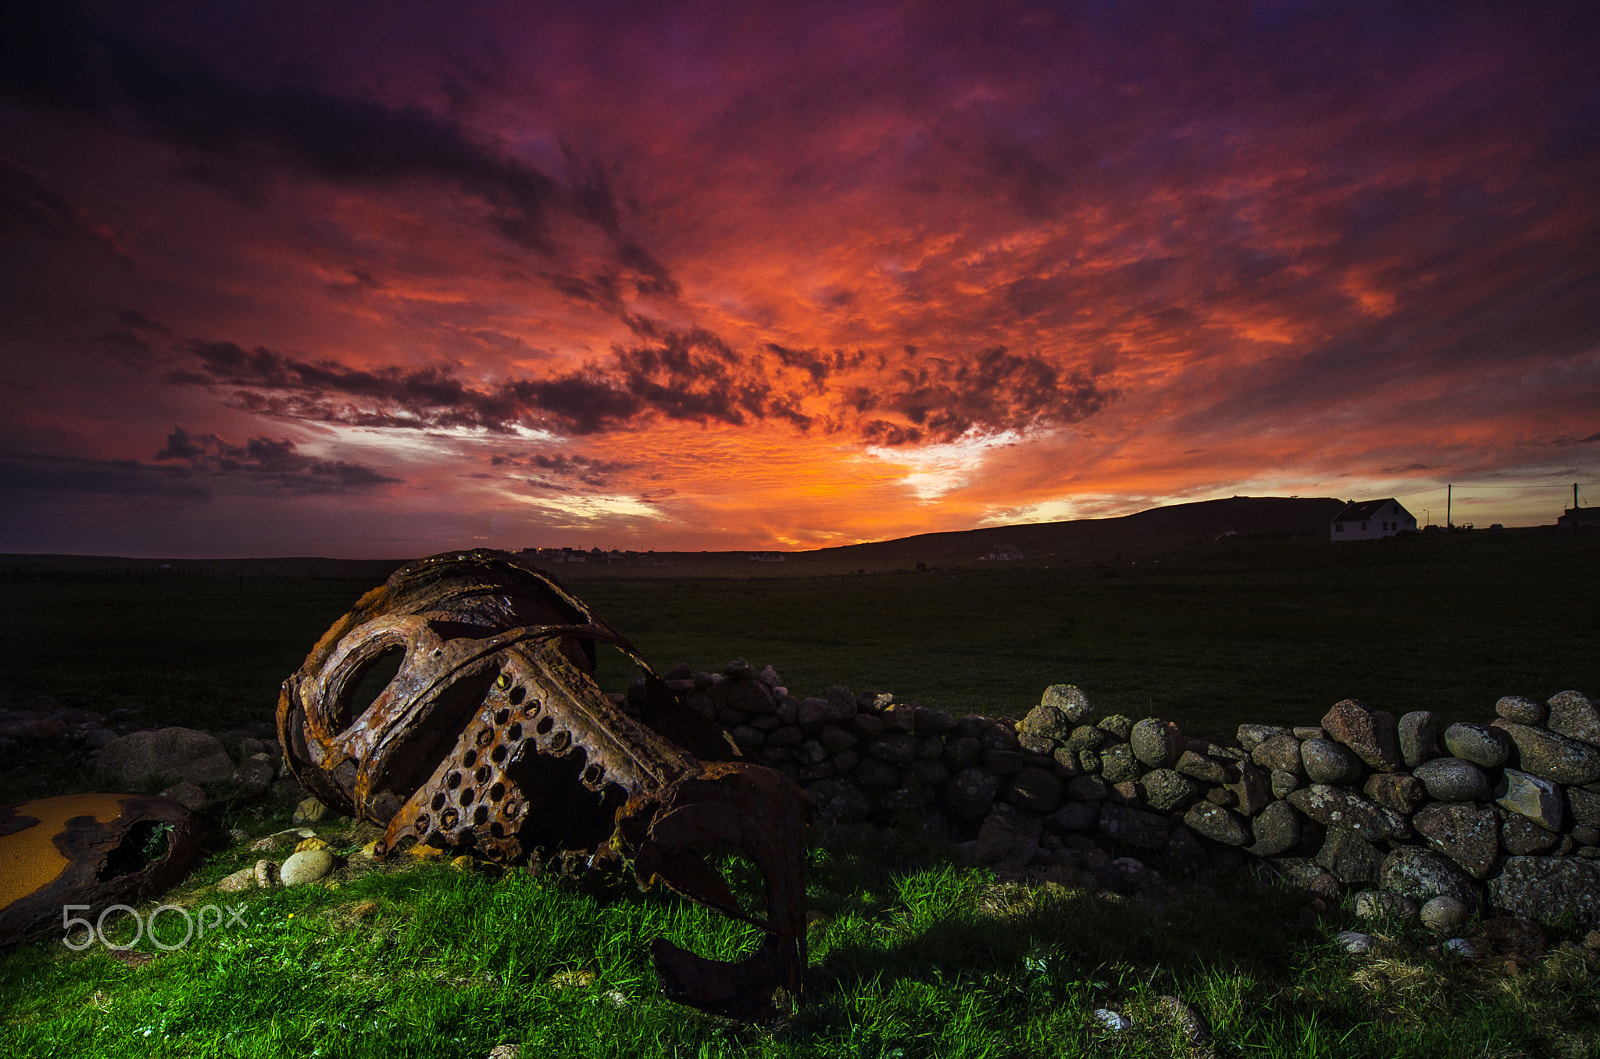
x=844, y=761
x=1156, y=743
x=811, y=713
x=1087, y=737
x=811, y=752
x=1354, y=942
x=1218, y=824
x=1004, y=762
x=306, y=866
x=1117, y=764
x=996, y=837
x=961, y=752
x=1421, y=873
x=1282, y=782
x=1552, y=756
x=1124, y=874
x=1035, y=790
x=1281, y=752
x=839, y=799
x=1450, y=779
x=1444, y=913
x=163, y=757
x=1381, y=904
x=1520, y=836
x=1537, y=799
x=748, y=738
x=187, y=795
x=1165, y=789
x=1466, y=832
x=835, y=738
x=1372, y=734
x=1076, y=816
x=751, y=696
x=1070, y=701
x=243, y=879
x=785, y=737
x=1251, y=736
x=1275, y=830
x=1325, y=761
x=927, y=721
x=1419, y=737
x=1250, y=793
x=997, y=735
x=1134, y=826
x=1483, y=746
x=1398, y=791
x=266, y=874
x=1585, y=805
x=1310, y=876
x=970, y=793
x=1086, y=788
x=99, y=739
x=1574, y=716
x=1519, y=710
x=1043, y=728
x=1350, y=858
x=1222, y=796
x=866, y=725
x=1202, y=768
x=1561, y=892
x=840, y=705
x=874, y=775
x=896, y=748
x=1183, y=851
x=1117, y=726
x=927, y=773
x=309, y=811
x=1337, y=807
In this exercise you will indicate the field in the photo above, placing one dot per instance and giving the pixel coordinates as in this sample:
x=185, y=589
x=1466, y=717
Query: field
x=910, y=956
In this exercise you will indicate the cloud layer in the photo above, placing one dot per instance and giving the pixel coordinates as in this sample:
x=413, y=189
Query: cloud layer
x=801, y=276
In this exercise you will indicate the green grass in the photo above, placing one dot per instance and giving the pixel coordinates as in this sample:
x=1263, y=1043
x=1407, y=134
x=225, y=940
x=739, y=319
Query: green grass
x=910, y=957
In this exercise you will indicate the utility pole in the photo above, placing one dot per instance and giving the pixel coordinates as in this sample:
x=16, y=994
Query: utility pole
x=1447, y=491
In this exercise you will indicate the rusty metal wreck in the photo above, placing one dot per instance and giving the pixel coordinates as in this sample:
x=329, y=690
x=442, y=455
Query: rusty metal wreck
x=493, y=737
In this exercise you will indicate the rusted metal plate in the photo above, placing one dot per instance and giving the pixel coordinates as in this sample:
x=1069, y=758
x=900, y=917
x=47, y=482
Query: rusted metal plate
x=492, y=736
x=89, y=851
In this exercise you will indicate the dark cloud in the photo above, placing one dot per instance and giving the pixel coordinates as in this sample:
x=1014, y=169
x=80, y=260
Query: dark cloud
x=29, y=205
x=74, y=475
x=275, y=464
x=573, y=467
x=688, y=375
x=66, y=59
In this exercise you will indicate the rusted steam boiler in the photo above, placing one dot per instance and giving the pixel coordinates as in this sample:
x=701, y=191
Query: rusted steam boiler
x=492, y=737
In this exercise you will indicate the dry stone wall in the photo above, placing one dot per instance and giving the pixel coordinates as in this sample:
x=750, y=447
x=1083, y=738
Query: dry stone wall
x=1396, y=811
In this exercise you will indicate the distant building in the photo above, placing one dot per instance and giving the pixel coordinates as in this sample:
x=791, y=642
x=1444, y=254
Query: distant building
x=1002, y=553
x=768, y=557
x=1371, y=519
x=1579, y=520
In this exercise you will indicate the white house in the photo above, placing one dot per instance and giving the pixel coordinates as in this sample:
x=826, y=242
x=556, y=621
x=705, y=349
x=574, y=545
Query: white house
x=1371, y=519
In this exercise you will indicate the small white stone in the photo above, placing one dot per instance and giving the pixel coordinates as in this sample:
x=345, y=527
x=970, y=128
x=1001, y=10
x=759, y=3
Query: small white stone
x=1444, y=913
x=1353, y=941
x=1114, y=1021
x=1460, y=947
x=307, y=866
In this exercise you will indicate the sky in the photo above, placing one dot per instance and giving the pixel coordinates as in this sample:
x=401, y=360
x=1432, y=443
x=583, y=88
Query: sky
x=365, y=280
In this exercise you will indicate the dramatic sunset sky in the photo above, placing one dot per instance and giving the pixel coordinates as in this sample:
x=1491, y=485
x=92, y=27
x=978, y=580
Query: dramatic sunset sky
x=383, y=279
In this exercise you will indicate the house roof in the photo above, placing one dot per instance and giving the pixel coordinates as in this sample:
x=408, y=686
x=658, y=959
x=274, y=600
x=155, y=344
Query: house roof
x=1355, y=512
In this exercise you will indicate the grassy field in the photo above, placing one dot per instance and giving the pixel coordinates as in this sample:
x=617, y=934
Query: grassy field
x=910, y=956
x=1271, y=631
